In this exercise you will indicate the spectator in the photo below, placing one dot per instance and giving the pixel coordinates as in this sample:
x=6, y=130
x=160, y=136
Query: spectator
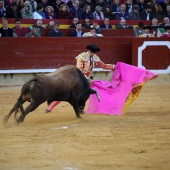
x=108, y=12
x=106, y=24
x=26, y=11
x=78, y=31
x=134, y=14
x=154, y=23
x=2, y=9
x=89, y=2
x=73, y=25
x=167, y=12
x=38, y=25
x=19, y=30
x=97, y=26
x=87, y=23
x=129, y=5
x=70, y=3
x=33, y=4
x=49, y=13
x=56, y=5
x=122, y=25
x=165, y=22
x=4, y=30
x=39, y=14
x=45, y=3
x=12, y=11
x=50, y=25
x=76, y=10
x=164, y=4
x=142, y=5
x=64, y=12
x=87, y=12
x=19, y=3
x=98, y=14
x=159, y=14
x=101, y=3
x=116, y=6
x=146, y=32
x=167, y=33
x=139, y=29
x=92, y=33
x=123, y=13
x=33, y=33
x=55, y=32
x=154, y=3
x=147, y=14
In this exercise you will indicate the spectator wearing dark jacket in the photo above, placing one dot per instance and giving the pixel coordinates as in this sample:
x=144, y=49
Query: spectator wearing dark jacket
x=55, y=32
x=134, y=14
x=76, y=10
x=122, y=25
x=12, y=11
x=2, y=9
x=78, y=31
x=167, y=12
x=147, y=14
x=123, y=13
x=106, y=24
x=4, y=30
x=87, y=12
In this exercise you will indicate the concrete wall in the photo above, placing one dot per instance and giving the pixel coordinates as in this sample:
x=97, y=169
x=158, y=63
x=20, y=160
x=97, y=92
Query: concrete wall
x=19, y=79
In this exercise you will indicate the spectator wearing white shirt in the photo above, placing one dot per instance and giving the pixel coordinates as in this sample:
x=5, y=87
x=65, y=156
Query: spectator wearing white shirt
x=92, y=33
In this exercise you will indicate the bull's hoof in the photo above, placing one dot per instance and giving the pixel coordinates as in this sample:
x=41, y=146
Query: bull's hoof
x=81, y=111
x=19, y=120
x=16, y=123
x=78, y=116
x=5, y=121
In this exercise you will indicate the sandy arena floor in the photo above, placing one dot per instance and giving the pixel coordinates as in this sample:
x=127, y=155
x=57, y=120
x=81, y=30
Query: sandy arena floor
x=137, y=140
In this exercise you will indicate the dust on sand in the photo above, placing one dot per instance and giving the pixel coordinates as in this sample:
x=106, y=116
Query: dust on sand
x=137, y=140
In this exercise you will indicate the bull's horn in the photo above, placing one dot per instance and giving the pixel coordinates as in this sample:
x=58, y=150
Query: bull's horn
x=97, y=95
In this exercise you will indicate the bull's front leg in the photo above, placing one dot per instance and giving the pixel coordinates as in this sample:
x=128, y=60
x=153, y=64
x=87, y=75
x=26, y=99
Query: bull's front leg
x=81, y=109
x=76, y=111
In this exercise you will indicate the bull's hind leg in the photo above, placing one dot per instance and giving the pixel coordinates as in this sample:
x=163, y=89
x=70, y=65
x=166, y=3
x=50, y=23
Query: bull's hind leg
x=31, y=107
x=15, y=107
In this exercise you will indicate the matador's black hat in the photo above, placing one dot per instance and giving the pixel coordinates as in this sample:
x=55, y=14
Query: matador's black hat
x=93, y=48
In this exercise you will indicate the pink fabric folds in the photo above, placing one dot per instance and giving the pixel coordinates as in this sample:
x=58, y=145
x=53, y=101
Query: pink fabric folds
x=118, y=94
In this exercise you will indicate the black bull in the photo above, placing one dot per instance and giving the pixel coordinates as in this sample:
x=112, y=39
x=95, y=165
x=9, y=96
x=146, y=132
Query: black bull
x=66, y=84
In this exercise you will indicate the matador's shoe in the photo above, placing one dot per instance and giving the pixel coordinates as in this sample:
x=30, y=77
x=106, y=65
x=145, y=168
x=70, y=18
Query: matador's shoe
x=47, y=111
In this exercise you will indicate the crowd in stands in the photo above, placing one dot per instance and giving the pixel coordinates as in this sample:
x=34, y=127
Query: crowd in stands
x=92, y=9
x=86, y=10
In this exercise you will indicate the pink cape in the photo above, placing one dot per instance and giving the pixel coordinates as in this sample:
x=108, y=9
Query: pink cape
x=117, y=95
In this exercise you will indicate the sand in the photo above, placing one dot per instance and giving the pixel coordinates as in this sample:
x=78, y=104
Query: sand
x=137, y=140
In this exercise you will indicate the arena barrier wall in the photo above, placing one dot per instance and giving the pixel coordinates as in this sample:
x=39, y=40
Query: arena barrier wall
x=21, y=58
x=28, y=56
x=152, y=54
